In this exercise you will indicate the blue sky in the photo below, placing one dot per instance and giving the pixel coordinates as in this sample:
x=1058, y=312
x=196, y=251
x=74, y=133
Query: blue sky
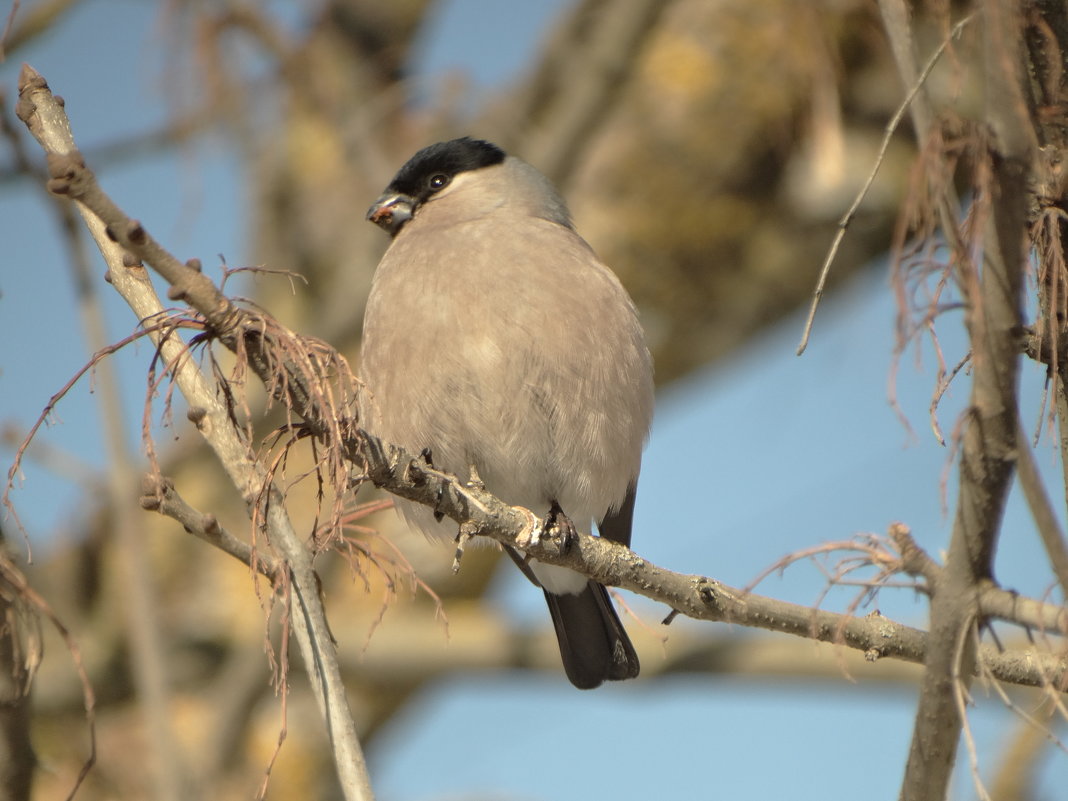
x=759, y=456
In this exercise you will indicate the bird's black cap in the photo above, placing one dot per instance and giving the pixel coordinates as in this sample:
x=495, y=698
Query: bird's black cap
x=443, y=159
x=426, y=173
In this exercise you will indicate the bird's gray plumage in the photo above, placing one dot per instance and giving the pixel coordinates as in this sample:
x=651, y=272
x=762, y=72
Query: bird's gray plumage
x=495, y=339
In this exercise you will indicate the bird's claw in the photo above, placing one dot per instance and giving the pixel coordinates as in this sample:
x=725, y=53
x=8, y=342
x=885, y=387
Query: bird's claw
x=466, y=532
x=563, y=525
x=474, y=480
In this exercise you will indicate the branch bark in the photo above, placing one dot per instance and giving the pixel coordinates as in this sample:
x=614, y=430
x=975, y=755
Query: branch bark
x=993, y=317
x=39, y=109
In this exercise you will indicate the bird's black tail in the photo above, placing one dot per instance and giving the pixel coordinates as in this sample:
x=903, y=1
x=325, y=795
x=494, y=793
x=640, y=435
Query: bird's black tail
x=593, y=644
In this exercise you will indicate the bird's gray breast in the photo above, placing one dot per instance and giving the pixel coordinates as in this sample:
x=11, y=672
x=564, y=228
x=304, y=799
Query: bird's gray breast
x=507, y=346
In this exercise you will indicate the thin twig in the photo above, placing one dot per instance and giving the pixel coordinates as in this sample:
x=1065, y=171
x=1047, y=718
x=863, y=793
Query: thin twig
x=1049, y=530
x=48, y=123
x=963, y=698
x=888, y=133
x=995, y=239
x=161, y=496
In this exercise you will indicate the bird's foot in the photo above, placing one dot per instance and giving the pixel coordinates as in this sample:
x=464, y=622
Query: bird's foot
x=474, y=480
x=563, y=525
x=427, y=455
x=463, y=536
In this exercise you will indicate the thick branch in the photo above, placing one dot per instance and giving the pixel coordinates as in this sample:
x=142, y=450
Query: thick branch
x=994, y=602
x=989, y=447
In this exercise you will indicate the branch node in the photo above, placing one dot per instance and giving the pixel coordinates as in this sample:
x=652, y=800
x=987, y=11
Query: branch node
x=914, y=560
x=58, y=186
x=706, y=592
x=154, y=482
x=531, y=533
x=135, y=232
x=67, y=173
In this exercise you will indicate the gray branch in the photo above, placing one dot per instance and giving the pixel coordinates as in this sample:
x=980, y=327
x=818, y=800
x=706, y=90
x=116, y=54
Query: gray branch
x=44, y=116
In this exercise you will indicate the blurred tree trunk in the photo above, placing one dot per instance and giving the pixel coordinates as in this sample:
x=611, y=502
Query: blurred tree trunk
x=17, y=758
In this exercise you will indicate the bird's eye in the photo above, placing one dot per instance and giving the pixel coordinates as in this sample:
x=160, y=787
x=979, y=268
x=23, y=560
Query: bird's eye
x=438, y=181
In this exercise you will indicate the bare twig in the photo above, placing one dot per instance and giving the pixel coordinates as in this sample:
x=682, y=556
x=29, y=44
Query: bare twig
x=993, y=312
x=7, y=28
x=963, y=699
x=1049, y=530
x=149, y=667
x=35, y=20
x=48, y=123
x=1017, y=774
x=888, y=133
x=159, y=495
x=43, y=417
x=994, y=602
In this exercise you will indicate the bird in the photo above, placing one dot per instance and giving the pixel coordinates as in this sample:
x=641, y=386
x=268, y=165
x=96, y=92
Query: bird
x=499, y=346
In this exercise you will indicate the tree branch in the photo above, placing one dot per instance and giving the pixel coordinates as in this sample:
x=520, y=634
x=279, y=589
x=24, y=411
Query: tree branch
x=159, y=494
x=149, y=666
x=993, y=316
x=47, y=121
x=1049, y=530
x=994, y=602
x=407, y=476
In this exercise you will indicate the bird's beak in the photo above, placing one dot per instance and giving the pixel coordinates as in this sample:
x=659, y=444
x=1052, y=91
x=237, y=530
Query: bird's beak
x=391, y=211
